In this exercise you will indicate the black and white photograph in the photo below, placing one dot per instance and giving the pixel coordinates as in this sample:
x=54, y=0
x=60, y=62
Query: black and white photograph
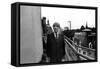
x=52, y=34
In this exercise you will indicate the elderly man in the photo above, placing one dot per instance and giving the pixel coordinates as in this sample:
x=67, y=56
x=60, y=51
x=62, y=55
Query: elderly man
x=55, y=44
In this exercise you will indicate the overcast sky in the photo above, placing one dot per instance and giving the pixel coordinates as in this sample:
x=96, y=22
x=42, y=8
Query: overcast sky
x=78, y=17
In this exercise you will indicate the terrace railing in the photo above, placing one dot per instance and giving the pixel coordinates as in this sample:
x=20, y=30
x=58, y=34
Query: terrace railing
x=74, y=49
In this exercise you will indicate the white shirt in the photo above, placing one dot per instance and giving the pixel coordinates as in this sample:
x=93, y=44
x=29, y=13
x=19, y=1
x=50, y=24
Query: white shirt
x=56, y=36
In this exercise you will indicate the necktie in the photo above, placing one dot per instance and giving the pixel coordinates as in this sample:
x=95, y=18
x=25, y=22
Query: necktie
x=56, y=35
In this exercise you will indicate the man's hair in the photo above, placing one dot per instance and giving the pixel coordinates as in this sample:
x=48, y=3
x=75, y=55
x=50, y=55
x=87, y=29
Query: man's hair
x=56, y=24
x=44, y=18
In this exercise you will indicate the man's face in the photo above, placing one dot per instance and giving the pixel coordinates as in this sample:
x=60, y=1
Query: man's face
x=56, y=28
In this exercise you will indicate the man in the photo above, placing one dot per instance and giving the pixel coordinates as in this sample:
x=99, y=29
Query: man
x=55, y=44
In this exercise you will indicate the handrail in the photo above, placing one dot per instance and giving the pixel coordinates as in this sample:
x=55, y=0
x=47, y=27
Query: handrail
x=84, y=56
x=79, y=46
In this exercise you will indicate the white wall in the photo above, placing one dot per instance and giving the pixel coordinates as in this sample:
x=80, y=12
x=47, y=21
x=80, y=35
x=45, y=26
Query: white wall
x=31, y=47
x=5, y=36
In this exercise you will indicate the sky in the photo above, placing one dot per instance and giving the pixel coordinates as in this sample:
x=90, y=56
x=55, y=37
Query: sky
x=78, y=17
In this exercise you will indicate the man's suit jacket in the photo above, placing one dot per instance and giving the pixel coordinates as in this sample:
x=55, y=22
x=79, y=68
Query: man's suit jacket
x=55, y=47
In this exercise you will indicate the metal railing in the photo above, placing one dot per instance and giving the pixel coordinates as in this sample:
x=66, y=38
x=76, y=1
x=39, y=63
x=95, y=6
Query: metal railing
x=73, y=46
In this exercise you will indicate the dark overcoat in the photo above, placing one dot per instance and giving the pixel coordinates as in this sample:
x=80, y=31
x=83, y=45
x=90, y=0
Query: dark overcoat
x=55, y=47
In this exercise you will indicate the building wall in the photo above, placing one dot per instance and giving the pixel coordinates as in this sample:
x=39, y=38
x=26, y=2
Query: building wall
x=31, y=48
x=81, y=36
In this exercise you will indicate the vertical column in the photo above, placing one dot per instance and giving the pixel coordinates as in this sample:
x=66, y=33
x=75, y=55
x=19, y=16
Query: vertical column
x=31, y=48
